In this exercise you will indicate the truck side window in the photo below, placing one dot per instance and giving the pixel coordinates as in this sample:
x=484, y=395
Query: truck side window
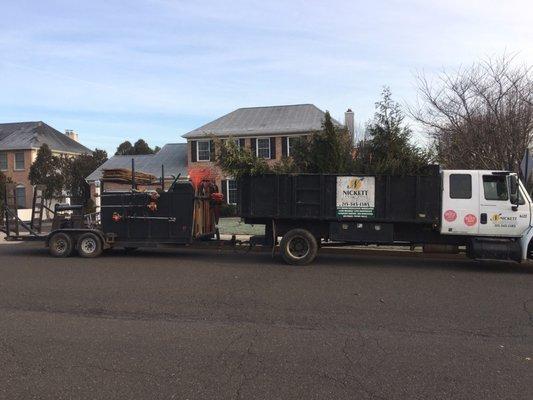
x=495, y=187
x=460, y=186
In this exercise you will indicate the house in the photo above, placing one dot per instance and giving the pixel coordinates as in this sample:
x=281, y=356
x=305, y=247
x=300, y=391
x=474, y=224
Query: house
x=267, y=131
x=173, y=158
x=19, y=143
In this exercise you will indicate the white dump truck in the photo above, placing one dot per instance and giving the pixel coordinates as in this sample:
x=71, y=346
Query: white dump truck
x=486, y=212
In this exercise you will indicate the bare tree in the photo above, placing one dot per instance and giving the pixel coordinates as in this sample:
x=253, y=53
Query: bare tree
x=480, y=117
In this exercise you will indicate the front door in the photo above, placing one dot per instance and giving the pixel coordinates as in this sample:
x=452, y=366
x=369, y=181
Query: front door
x=460, y=202
x=498, y=216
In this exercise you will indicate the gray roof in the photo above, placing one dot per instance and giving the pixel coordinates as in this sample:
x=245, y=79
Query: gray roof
x=272, y=120
x=32, y=135
x=173, y=156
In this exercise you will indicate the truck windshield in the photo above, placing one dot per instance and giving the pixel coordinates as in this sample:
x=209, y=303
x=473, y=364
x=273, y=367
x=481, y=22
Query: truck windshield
x=495, y=187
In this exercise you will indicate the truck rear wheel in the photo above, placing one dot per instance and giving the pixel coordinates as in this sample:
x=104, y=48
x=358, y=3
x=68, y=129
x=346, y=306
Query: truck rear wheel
x=298, y=247
x=89, y=245
x=60, y=245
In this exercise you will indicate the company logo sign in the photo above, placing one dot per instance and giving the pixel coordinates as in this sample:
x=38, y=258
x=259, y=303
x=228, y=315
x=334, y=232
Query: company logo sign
x=470, y=219
x=450, y=215
x=354, y=186
x=503, y=221
x=356, y=196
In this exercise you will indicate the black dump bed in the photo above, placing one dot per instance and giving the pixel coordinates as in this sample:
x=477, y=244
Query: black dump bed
x=341, y=197
x=149, y=217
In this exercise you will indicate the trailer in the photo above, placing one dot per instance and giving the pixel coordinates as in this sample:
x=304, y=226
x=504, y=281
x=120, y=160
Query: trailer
x=129, y=218
x=487, y=214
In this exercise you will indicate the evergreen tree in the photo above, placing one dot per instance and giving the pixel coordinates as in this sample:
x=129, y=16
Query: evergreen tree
x=388, y=149
x=141, y=147
x=47, y=171
x=124, y=149
x=75, y=170
x=327, y=151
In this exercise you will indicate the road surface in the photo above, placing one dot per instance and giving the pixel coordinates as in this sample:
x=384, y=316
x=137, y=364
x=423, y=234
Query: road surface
x=190, y=324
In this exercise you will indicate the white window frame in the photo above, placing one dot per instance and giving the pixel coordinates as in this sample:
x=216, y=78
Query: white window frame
x=228, y=180
x=263, y=148
x=4, y=154
x=23, y=161
x=289, y=142
x=198, y=150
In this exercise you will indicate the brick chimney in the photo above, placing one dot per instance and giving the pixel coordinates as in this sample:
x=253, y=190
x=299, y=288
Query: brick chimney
x=349, y=122
x=71, y=134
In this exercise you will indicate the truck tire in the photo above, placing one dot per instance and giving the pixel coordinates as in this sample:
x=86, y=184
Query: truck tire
x=298, y=247
x=60, y=245
x=89, y=245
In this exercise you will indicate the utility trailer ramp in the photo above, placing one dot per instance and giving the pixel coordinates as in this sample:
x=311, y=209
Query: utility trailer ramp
x=16, y=229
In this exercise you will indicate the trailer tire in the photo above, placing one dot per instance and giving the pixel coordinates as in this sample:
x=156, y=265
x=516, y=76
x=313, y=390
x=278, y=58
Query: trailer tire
x=89, y=245
x=60, y=245
x=298, y=247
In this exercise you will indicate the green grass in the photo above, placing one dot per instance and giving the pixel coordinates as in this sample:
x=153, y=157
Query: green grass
x=229, y=226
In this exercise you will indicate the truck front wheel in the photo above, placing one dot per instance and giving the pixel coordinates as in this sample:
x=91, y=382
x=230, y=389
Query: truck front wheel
x=89, y=245
x=298, y=247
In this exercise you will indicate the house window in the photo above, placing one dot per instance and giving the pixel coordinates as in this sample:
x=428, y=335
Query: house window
x=203, y=150
x=3, y=161
x=232, y=191
x=20, y=192
x=263, y=148
x=19, y=160
x=495, y=187
x=290, y=143
x=460, y=186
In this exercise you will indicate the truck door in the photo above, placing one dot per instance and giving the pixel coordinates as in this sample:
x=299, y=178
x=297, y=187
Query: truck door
x=498, y=215
x=460, y=202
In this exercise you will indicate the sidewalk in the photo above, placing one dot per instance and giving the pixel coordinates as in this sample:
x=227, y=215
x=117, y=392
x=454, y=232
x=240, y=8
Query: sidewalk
x=2, y=241
x=233, y=225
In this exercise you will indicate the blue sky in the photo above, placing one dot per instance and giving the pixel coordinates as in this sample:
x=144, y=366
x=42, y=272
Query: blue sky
x=116, y=70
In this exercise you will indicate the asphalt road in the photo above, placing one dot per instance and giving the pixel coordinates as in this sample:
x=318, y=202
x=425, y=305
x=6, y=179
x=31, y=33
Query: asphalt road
x=190, y=324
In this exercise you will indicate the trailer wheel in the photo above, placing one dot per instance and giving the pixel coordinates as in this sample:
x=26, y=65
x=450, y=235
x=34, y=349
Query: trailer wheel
x=60, y=245
x=298, y=247
x=89, y=245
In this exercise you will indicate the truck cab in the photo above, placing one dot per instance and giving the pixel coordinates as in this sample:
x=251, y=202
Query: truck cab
x=486, y=204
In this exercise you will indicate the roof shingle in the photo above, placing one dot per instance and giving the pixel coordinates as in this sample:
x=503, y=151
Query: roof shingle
x=32, y=135
x=173, y=156
x=298, y=118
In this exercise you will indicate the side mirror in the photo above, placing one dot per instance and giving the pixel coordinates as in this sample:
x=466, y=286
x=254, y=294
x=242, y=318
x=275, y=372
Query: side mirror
x=513, y=186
